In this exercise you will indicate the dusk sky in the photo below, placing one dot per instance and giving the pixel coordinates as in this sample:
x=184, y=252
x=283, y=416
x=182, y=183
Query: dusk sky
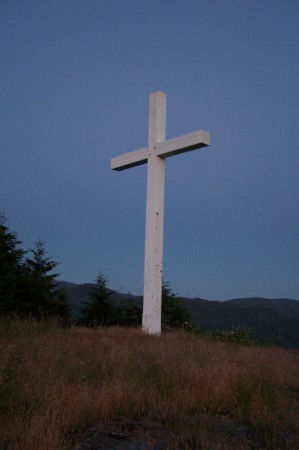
x=76, y=76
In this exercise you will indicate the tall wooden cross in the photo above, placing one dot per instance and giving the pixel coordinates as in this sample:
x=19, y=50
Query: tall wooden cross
x=154, y=155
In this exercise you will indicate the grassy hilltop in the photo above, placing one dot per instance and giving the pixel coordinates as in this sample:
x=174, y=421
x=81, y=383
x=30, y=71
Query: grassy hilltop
x=55, y=383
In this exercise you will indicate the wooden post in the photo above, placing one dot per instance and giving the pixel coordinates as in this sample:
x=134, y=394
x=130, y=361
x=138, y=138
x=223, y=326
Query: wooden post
x=153, y=263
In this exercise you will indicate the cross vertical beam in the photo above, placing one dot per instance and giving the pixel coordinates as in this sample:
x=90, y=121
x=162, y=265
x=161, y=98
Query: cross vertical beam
x=151, y=318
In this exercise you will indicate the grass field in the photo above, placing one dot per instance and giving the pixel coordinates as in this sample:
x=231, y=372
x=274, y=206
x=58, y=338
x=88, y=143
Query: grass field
x=212, y=395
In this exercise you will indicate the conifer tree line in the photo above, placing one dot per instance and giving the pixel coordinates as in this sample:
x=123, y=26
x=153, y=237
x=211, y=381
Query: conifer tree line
x=101, y=310
x=29, y=288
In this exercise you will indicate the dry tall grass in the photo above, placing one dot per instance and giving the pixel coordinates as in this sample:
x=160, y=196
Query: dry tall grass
x=209, y=393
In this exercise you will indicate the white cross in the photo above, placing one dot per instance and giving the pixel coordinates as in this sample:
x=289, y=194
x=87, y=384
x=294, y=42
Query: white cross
x=154, y=155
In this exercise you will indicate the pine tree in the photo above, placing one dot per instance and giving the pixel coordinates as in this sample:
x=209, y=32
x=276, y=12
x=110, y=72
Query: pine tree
x=174, y=314
x=42, y=297
x=99, y=309
x=128, y=314
x=11, y=268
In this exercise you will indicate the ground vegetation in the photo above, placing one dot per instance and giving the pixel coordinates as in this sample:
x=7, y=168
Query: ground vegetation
x=64, y=388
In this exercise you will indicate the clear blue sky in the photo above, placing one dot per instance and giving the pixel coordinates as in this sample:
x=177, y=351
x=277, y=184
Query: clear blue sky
x=75, y=82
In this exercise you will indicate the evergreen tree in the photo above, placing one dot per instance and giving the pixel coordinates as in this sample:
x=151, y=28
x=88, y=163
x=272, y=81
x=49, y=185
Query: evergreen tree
x=11, y=268
x=128, y=314
x=174, y=314
x=99, y=309
x=41, y=295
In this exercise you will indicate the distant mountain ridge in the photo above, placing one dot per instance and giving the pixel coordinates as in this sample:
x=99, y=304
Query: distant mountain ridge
x=267, y=320
x=284, y=306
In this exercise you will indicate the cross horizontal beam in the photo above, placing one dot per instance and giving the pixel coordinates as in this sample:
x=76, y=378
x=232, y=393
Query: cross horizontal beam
x=171, y=147
x=182, y=144
x=130, y=159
